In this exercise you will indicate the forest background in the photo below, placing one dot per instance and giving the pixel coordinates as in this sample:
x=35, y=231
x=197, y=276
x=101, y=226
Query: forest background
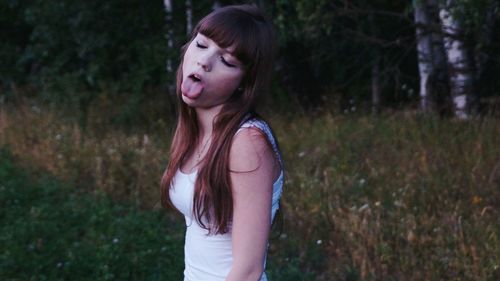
x=387, y=113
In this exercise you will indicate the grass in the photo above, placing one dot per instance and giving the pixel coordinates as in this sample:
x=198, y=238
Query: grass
x=51, y=232
x=393, y=197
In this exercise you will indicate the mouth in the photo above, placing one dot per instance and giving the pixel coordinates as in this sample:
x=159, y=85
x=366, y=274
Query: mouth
x=195, y=77
x=192, y=86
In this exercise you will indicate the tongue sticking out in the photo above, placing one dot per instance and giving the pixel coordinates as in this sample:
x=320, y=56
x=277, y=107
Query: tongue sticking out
x=191, y=88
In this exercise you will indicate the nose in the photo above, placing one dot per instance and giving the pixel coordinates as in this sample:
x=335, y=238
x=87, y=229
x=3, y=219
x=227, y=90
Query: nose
x=204, y=63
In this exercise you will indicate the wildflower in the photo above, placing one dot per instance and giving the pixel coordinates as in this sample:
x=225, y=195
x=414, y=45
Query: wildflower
x=36, y=109
x=362, y=181
x=398, y=203
x=115, y=240
x=411, y=237
x=364, y=207
x=319, y=242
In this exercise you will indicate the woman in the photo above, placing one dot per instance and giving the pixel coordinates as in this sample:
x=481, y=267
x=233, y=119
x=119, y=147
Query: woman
x=225, y=173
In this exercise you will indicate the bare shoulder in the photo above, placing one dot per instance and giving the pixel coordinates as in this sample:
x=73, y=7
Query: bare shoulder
x=250, y=151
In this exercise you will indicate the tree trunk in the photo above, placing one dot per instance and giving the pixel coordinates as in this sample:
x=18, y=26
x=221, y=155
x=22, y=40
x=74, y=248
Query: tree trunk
x=440, y=85
x=170, y=35
x=424, y=52
x=376, y=87
x=460, y=67
x=375, y=71
x=216, y=5
x=170, y=87
x=189, y=17
x=431, y=56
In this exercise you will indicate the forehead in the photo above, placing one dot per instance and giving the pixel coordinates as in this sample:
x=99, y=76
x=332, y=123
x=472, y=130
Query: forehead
x=227, y=49
x=234, y=34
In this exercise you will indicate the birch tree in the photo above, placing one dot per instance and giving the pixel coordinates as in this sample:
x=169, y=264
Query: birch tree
x=431, y=55
x=460, y=65
x=189, y=17
x=216, y=5
x=170, y=35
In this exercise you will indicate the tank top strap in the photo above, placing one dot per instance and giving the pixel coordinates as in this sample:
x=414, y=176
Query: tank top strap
x=262, y=125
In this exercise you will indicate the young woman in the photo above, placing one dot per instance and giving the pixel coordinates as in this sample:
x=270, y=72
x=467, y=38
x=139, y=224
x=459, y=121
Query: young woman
x=225, y=173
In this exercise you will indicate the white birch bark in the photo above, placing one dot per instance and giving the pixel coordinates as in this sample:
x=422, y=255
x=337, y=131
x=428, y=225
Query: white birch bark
x=424, y=52
x=189, y=17
x=431, y=55
x=170, y=34
x=216, y=5
x=460, y=67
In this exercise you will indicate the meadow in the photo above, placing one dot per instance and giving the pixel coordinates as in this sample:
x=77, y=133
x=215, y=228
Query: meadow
x=398, y=196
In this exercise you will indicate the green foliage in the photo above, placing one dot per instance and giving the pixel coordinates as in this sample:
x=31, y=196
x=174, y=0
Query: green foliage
x=70, y=52
x=328, y=48
x=84, y=46
x=51, y=232
x=97, y=41
x=15, y=33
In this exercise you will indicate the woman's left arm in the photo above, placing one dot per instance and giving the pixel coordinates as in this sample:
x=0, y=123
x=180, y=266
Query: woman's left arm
x=252, y=166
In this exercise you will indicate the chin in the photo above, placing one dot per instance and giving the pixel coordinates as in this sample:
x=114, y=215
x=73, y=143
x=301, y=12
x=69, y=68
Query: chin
x=188, y=101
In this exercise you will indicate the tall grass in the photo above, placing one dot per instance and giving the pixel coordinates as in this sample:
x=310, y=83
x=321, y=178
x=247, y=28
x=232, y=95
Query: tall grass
x=395, y=198
x=392, y=197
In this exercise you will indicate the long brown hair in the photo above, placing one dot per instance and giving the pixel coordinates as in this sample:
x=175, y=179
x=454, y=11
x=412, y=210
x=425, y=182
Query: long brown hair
x=245, y=28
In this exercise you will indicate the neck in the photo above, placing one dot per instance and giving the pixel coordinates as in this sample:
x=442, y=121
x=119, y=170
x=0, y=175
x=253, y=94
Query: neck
x=206, y=117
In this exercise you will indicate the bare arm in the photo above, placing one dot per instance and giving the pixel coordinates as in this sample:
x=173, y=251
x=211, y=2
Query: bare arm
x=252, y=172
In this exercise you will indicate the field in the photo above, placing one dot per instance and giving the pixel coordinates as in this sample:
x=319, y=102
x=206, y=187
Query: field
x=390, y=197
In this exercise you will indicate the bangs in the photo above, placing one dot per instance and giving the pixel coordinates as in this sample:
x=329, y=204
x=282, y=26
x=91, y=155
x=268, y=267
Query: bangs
x=232, y=28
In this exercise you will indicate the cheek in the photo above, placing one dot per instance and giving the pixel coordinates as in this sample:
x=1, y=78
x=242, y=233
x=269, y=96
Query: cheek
x=188, y=55
x=231, y=82
x=236, y=78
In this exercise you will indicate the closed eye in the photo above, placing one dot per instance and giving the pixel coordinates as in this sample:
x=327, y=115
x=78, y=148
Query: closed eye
x=201, y=46
x=224, y=61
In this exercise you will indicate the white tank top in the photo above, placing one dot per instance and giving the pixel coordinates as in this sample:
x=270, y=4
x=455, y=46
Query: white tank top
x=209, y=257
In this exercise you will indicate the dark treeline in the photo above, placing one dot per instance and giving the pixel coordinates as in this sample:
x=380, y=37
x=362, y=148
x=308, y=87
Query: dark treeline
x=348, y=55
